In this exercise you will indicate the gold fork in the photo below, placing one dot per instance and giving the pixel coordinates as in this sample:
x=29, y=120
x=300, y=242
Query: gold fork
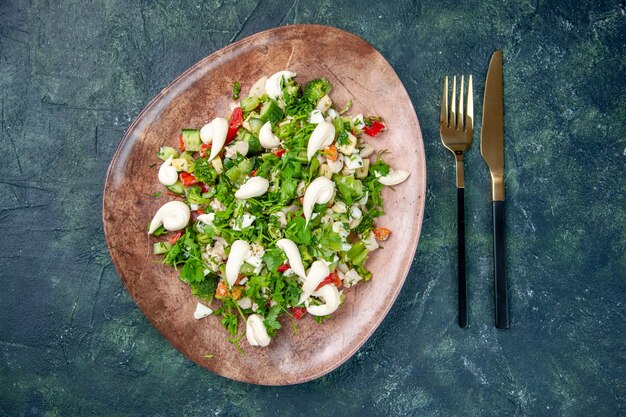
x=457, y=129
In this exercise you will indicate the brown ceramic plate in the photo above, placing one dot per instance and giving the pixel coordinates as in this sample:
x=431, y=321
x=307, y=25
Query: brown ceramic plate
x=358, y=72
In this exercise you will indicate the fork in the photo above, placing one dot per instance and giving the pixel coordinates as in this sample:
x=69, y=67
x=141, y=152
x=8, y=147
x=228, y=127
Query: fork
x=457, y=129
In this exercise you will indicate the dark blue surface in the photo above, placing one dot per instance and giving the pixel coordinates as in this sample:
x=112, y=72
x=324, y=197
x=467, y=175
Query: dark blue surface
x=73, y=74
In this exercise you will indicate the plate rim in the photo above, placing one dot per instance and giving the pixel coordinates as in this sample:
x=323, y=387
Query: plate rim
x=420, y=205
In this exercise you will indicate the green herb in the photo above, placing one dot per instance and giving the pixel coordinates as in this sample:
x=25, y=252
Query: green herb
x=271, y=320
x=209, y=356
x=367, y=221
x=236, y=90
x=298, y=231
x=273, y=259
x=156, y=194
x=343, y=138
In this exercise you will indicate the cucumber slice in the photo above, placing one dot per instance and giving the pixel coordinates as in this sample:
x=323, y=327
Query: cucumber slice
x=271, y=112
x=254, y=146
x=177, y=188
x=191, y=137
x=166, y=151
x=249, y=103
x=190, y=161
x=160, y=248
x=256, y=124
x=238, y=172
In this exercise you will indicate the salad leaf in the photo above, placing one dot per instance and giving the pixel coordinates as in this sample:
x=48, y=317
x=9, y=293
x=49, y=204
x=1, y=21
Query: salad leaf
x=298, y=231
x=273, y=259
x=271, y=320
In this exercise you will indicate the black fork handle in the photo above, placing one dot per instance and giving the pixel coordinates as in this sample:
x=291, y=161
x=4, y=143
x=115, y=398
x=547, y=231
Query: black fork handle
x=462, y=280
x=500, y=284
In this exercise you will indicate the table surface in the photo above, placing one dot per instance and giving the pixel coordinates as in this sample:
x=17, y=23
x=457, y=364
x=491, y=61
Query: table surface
x=73, y=75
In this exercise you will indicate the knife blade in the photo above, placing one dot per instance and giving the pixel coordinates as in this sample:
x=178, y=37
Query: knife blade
x=492, y=150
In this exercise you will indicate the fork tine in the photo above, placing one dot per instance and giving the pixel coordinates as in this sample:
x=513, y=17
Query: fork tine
x=453, y=107
x=443, y=118
x=470, y=104
x=461, y=100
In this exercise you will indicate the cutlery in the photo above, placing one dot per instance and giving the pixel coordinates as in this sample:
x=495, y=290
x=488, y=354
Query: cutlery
x=457, y=129
x=492, y=150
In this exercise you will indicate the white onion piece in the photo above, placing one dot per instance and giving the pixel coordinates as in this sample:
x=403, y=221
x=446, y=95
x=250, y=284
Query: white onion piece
x=320, y=191
x=256, y=333
x=258, y=88
x=322, y=137
x=293, y=255
x=394, y=177
x=316, y=117
x=254, y=187
x=331, y=297
x=268, y=139
x=273, y=83
x=167, y=173
x=173, y=215
x=202, y=311
x=215, y=133
x=318, y=271
x=239, y=251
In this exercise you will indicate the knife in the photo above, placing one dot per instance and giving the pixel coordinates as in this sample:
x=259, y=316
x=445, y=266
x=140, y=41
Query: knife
x=492, y=150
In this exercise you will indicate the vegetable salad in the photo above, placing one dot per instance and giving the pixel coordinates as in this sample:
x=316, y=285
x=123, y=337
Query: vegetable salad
x=276, y=206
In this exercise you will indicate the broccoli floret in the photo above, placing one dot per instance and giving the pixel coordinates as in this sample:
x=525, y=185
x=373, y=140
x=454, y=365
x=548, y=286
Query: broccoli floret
x=316, y=89
x=204, y=172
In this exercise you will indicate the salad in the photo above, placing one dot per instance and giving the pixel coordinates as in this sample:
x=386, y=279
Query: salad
x=276, y=206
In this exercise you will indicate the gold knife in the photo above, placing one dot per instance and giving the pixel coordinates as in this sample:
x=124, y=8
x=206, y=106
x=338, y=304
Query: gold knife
x=492, y=150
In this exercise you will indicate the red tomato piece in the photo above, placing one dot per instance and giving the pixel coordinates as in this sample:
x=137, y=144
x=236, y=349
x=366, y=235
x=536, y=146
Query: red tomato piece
x=279, y=153
x=187, y=179
x=298, y=312
x=282, y=268
x=381, y=233
x=174, y=238
x=203, y=149
x=236, y=120
x=333, y=278
x=374, y=129
x=181, y=143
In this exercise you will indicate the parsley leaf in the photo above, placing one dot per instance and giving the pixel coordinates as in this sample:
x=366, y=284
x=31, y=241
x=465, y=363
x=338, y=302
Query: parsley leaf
x=273, y=259
x=298, y=231
x=271, y=320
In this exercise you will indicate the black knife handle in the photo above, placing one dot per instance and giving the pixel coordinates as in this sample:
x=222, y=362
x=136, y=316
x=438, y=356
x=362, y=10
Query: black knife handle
x=500, y=285
x=460, y=220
